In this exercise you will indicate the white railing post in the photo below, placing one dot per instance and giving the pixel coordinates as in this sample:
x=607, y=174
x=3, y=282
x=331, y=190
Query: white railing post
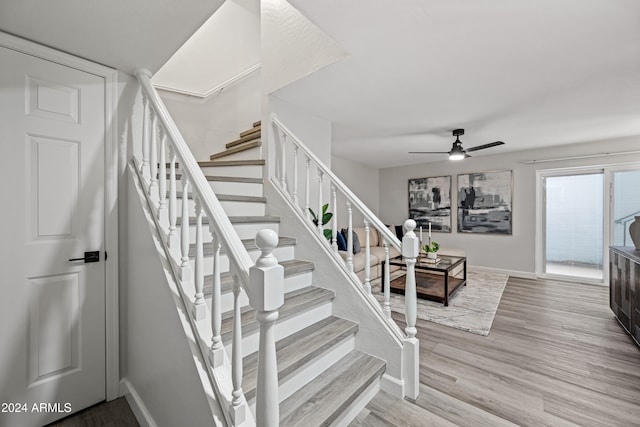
x=411, y=348
x=367, y=257
x=266, y=296
x=320, y=202
x=387, y=282
x=199, y=307
x=217, y=349
x=334, y=223
x=185, y=266
x=350, y=237
x=238, y=407
x=153, y=186
x=295, y=176
x=172, y=239
x=307, y=214
x=162, y=179
x=283, y=162
x=144, y=167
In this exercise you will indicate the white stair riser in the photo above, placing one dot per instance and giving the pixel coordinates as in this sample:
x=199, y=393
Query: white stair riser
x=254, y=153
x=305, y=374
x=285, y=327
x=245, y=231
x=297, y=281
x=232, y=187
x=227, y=301
x=283, y=253
x=358, y=405
x=233, y=208
x=243, y=171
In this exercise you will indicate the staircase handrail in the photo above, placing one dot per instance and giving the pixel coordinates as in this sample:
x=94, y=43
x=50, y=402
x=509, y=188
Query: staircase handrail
x=337, y=182
x=626, y=218
x=238, y=254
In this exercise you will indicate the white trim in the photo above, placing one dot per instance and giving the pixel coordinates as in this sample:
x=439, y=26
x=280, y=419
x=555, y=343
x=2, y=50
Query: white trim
x=112, y=341
x=587, y=156
x=142, y=414
x=214, y=90
x=392, y=385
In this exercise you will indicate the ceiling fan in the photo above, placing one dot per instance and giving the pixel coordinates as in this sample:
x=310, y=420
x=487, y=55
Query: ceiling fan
x=457, y=152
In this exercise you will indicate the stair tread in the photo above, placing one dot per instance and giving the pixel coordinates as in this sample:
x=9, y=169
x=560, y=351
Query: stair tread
x=291, y=268
x=321, y=401
x=237, y=149
x=216, y=163
x=236, y=219
x=298, y=349
x=254, y=134
x=227, y=179
x=294, y=302
x=248, y=131
x=256, y=124
x=249, y=244
x=229, y=198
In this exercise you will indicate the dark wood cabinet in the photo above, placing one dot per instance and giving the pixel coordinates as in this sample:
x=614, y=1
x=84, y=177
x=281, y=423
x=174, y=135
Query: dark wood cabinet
x=624, y=288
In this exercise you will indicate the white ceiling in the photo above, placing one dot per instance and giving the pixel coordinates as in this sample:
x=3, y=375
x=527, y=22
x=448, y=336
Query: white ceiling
x=123, y=34
x=531, y=74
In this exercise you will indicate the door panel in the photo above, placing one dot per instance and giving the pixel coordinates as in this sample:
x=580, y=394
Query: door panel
x=52, y=311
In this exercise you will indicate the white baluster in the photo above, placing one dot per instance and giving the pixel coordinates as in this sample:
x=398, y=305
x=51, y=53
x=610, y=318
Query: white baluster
x=217, y=349
x=350, y=238
x=162, y=178
x=387, y=282
x=153, y=186
x=266, y=294
x=319, y=226
x=185, y=267
x=367, y=257
x=307, y=214
x=334, y=222
x=283, y=162
x=411, y=348
x=144, y=167
x=295, y=176
x=199, y=307
x=238, y=408
x=173, y=239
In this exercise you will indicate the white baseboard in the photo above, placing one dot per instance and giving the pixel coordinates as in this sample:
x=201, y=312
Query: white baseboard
x=511, y=273
x=392, y=385
x=137, y=405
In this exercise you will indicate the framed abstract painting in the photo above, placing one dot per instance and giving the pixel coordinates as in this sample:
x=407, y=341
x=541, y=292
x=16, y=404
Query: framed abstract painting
x=430, y=202
x=485, y=202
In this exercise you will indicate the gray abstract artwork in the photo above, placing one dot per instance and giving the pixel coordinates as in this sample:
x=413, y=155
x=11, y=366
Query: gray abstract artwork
x=430, y=201
x=484, y=202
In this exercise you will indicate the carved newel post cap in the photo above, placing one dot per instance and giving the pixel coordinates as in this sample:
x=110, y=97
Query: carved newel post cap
x=410, y=240
x=266, y=241
x=409, y=225
x=266, y=278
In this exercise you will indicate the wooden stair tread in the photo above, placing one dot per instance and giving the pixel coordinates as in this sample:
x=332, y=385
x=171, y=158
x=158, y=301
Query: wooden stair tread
x=249, y=244
x=227, y=179
x=256, y=124
x=228, y=198
x=291, y=268
x=237, y=219
x=253, y=129
x=216, y=163
x=236, y=149
x=298, y=349
x=325, y=398
x=294, y=302
x=254, y=134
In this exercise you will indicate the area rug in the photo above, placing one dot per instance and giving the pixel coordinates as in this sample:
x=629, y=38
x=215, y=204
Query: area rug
x=472, y=308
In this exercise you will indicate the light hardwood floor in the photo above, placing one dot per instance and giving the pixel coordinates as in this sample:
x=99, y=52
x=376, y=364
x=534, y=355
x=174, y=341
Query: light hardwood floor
x=555, y=356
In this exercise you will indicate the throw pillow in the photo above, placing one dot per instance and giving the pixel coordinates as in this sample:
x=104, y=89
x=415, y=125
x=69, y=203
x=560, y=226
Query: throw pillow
x=342, y=244
x=356, y=241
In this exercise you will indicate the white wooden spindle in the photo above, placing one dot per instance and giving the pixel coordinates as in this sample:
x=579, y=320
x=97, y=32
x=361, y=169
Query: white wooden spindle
x=185, y=266
x=367, y=257
x=144, y=167
x=411, y=348
x=319, y=226
x=238, y=406
x=350, y=237
x=173, y=238
x=307, y=178
x=283, y=161
x=266, y=295
x=334, y=222
x=153, y=186
x=217, y=349
x=199, y=307
x=295, y=176
x=387, y=282
x=162, y=179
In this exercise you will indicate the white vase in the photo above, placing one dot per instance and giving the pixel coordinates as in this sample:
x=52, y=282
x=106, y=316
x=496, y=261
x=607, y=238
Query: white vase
x=634, y=232
x=432, y=255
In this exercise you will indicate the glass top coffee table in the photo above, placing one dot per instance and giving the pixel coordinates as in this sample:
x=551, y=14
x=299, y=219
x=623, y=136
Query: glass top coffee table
x=434, y=280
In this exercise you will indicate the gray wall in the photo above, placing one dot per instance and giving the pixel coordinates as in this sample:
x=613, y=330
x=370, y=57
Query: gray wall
x=515, y=253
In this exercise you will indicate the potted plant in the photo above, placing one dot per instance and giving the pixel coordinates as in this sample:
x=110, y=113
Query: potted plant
x=432, y=250
x=326, y=217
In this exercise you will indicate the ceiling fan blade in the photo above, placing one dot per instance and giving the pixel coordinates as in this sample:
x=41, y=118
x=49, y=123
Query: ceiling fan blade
x=428, y=152
x=482, y=147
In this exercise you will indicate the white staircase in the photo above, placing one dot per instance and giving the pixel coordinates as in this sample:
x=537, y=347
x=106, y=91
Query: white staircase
x=323, y=379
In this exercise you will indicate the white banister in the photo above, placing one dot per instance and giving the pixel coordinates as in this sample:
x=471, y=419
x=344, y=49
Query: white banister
x=153, y=186
x=185, y=266
x=283, y=164
x=410, y=251
x=162, y=177
x=172, y=239
x=320, y=215
x=350, y=237
x=238, y=408
x=144, y=167
x=307, y=214
x=334, y=222
x=295, y=176
x=199, y=307
x=266, y=296
x=387, y=282
x=367, y=258
x=217, y=349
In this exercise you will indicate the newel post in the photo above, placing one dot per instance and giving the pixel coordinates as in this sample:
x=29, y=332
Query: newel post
x=411, y=348
x=266, y=296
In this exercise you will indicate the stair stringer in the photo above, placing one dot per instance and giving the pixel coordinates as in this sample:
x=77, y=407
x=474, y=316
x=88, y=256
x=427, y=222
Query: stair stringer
x=376, y=335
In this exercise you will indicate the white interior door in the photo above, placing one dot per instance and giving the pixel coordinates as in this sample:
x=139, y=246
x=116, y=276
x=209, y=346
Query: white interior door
x=52, y=310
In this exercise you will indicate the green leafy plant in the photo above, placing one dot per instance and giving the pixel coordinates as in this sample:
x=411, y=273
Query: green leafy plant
x=326, y=217
x=432, y=247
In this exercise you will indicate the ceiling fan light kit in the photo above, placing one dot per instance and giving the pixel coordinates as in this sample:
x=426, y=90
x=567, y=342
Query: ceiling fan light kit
x=457, y=152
